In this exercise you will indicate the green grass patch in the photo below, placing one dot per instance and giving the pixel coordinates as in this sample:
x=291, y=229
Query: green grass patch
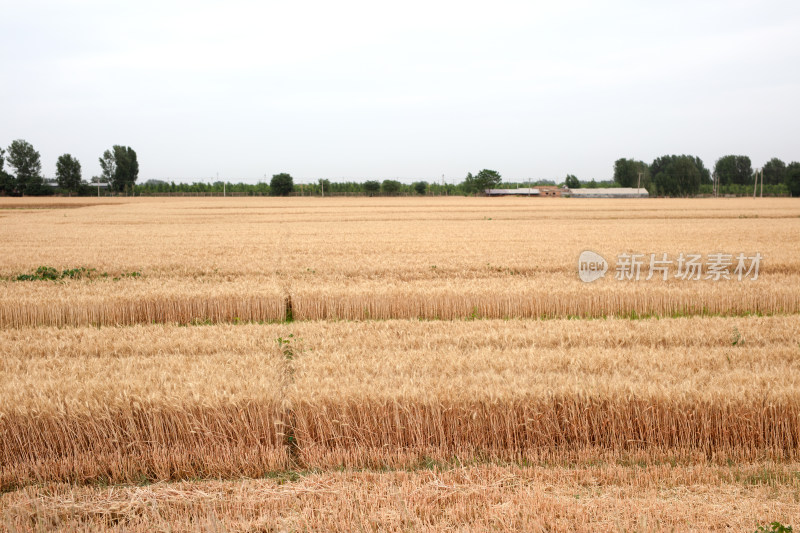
x=48, y=273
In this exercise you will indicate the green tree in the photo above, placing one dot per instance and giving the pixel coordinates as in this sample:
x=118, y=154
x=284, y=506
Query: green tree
x=281, y=184
x=68, y=173
x=372, y=187
x=627, y=173
x=127, y=168
x=793, y=178
x=733, y=169
x=8, y=183
x=109, y=167
x=27, y=165
x=705, y=174
x=485, y=179
x=572, y=182
x=469, y=184
x=774, y=172
x=421, y=187
x=676, y=175
x=120, y=168
x=391, y=187
x=488, y=179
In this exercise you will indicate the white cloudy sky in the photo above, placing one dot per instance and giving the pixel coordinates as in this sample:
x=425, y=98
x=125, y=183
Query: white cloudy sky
x=409, y=90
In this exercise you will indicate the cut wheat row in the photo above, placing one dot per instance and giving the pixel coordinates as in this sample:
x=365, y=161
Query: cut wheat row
x=557, y=296
x=148, y=310
x=146, y=442
x=548, y=298
x=158, y=442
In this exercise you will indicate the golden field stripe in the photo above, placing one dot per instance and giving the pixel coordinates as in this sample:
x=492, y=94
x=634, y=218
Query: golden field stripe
x=159, y=442
x=149, y=310
x=145, y=442
x=363, y=433
x=552, y=297
x=557, y=296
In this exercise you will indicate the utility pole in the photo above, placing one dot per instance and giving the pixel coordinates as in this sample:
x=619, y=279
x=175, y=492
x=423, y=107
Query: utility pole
x=714, y=192
x=322, y=187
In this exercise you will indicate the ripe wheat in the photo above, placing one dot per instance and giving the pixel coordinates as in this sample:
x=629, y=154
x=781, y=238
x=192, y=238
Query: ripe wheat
x=110, y=403
x=357, y=380
x=223, y=260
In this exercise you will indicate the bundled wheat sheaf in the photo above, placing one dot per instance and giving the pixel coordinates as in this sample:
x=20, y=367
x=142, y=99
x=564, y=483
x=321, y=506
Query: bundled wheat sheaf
x=267, y=337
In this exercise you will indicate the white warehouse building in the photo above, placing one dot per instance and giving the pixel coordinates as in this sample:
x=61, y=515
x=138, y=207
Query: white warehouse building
x=618, y=192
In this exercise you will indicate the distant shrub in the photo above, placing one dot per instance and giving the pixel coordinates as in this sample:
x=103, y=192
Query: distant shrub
x=46, y=273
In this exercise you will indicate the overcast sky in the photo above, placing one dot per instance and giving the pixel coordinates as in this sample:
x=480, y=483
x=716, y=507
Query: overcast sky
x=409, y=90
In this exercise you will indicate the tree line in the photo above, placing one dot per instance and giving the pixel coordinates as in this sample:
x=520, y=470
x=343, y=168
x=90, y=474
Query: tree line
x=685, y=175
x=120, y=170
x=283, y=185
x=668, y=175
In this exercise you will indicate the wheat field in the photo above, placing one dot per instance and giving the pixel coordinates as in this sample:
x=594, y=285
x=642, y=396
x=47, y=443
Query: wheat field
x=223, y=260
x=407, y=363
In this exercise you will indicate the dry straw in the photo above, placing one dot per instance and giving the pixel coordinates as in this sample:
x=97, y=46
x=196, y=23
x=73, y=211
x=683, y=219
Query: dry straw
x=576, y=497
